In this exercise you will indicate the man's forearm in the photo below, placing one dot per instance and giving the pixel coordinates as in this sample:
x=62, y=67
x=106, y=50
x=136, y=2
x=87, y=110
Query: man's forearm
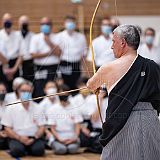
x=56, y=50
x=40, y=55
x=77, y=129
x=18, y=62
x=11, y=133
x=40, y=132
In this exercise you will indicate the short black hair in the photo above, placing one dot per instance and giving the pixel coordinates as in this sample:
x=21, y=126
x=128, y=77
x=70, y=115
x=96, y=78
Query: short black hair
x=70, y=17
x=150, y=29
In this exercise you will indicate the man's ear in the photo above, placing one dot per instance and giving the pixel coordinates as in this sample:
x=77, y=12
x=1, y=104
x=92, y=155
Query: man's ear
x=123, y=43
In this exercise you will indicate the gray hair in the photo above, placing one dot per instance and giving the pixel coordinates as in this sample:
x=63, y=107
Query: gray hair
x=27, y=83
x=130, y=33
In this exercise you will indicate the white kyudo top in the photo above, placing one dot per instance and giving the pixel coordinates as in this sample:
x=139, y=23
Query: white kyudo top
x=39, y=45
x=74, y=46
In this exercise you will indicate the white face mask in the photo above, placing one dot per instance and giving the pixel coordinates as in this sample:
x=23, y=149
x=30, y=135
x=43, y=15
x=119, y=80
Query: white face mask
x=51, y=90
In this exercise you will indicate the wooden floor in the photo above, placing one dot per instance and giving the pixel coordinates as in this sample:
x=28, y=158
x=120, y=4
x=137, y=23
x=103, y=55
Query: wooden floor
x=50, y=156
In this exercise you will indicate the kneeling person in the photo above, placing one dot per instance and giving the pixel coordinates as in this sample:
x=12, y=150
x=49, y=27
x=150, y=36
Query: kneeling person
x=24, y=125
x=65, y=126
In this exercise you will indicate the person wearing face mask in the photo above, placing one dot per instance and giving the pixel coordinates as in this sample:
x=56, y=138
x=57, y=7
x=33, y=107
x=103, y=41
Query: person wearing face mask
x=24, y=125
x=3, y=135
x=102, y=45
x=46, y=104
x=49, y=102
x=46, y=54
x=74, y=46
x=64, y=125
x=25, y=36
x=11, y=42
x=148, y=49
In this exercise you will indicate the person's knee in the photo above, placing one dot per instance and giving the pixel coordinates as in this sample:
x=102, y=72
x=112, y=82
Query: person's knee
x=38, y=150
x=17, y=151
x=60, y=149
x=3, y=144
x=73, y=148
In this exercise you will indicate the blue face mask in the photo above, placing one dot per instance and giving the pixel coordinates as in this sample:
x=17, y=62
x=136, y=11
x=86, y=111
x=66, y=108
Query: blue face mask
x=149, y=40
x=106, y=30
x=24, y=96
x=70, y=26
x=46, y=29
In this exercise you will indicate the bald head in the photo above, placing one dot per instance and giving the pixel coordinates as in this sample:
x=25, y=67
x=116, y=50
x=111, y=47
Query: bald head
x=23, y=19
x=7, y=22
x=7, y=17
x=46, y=20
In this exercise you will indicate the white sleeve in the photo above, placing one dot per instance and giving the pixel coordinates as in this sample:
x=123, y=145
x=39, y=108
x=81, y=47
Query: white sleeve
x=3, y=50
x=33, y=45
x=7, y=118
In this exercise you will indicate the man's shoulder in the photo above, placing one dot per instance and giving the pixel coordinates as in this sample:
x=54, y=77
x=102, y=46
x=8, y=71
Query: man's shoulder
x=37, y=36
x=14, y=108
x=79, y=35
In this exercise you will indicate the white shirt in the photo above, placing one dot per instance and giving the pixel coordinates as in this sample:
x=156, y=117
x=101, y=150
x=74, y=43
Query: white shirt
x=11, y=97
x=102, y=51
x=104, y=105
x=46, y=104
x=73, y=47
x=64, y=119
x=84, y=106
x=23, y=122
x=3, y=51
x=11, y=44
x=153, y=53
x=38, y=45
x=25, y=44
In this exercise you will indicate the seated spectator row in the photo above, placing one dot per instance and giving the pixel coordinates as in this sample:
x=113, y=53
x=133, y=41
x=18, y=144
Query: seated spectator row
x=62, y=123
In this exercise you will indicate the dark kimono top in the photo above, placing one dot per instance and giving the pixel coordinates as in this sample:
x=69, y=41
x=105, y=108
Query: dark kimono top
x=140, y=84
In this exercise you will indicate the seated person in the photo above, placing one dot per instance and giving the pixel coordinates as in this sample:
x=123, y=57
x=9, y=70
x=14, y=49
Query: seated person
x=47, y=103
x=24, y=125
x=96, y=123
x=84, y=103
x=91, y=127
x=65, y=126
x=3, y=135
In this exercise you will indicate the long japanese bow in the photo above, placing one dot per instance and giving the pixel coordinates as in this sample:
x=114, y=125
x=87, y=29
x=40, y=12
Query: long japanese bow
x=92, y=50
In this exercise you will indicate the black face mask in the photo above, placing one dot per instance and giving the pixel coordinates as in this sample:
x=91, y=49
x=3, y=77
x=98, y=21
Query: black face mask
x=63, y=98
x=24, y=29
x=2, y=96
x=7, y=24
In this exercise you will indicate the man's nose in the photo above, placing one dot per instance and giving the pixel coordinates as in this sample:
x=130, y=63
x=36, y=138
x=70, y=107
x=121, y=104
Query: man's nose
x=112, y=47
